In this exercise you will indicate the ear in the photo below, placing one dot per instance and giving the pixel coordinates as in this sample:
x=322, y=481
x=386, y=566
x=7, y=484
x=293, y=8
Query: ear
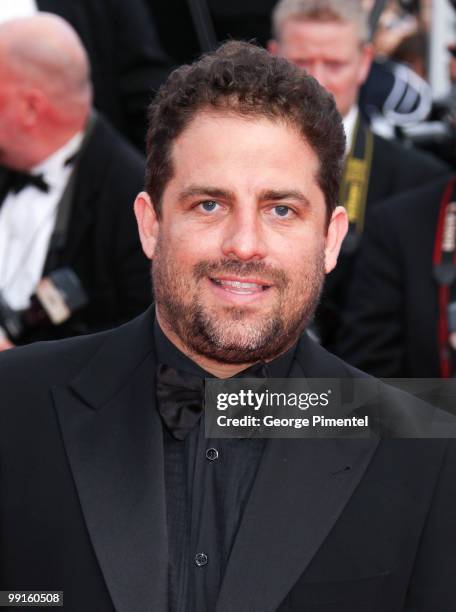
x=273, y=47
x=367, y=55
x=148, y=224
x=32, y=105
x=337, y=230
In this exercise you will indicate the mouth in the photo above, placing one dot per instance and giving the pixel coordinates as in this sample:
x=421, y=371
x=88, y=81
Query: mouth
x=241, y=286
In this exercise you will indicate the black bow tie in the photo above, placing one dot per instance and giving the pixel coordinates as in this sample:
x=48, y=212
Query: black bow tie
x=180, y=397
x=19, y=180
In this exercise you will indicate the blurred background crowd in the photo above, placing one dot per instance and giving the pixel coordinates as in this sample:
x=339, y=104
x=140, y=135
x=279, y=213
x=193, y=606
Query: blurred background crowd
x=76, y=78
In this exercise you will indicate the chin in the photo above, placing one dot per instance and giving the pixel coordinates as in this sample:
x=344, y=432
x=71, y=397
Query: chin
x=235, y=338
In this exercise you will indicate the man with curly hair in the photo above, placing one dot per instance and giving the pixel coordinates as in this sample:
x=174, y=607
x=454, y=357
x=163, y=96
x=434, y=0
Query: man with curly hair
x=110, y=489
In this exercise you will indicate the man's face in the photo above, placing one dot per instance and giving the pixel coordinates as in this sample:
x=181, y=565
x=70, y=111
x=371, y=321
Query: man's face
x=240, y=251
x=331, y=52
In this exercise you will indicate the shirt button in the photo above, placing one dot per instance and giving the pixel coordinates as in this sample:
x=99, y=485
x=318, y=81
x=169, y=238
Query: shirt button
x=201, y=559
x=212, y=454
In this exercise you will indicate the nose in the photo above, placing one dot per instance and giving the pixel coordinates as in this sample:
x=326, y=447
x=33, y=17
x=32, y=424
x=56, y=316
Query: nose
x=317, y=70
x=244, y=237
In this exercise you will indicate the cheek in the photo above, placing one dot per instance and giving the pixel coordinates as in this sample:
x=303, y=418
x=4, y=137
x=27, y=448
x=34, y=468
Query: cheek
x=356, y=77
x=296, y=254
x=338, y=89
x=189, y=246
x=347, y=80
x=343, y=87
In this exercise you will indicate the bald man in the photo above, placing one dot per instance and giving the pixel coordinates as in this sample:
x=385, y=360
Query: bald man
x=125, y=53
x=67, y=180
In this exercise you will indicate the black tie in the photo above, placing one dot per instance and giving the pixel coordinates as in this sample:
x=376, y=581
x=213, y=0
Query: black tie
x=19, y=180
x=180, y=396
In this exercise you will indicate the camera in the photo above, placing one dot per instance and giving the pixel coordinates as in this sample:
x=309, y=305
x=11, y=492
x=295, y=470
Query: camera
x=57, y=297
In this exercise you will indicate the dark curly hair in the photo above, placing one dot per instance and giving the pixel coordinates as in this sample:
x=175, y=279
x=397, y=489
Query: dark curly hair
x=242, y=78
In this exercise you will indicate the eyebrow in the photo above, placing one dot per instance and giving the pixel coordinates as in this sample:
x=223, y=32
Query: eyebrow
x=207, y=190
x=268, y=194
x=285, y=194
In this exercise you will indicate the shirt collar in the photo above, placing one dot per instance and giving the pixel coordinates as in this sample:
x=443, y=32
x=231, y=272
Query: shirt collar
x=349, y=122
x=168, y=353
x=52, y=166
x=17, y=8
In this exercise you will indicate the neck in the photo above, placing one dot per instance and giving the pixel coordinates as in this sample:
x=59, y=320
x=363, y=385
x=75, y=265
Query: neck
x=218, y=369
x=50, y=148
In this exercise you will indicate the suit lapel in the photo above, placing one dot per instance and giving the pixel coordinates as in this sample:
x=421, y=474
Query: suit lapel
x=301, y=488
x=88, y=180
x=113, y=439
x=4, y=176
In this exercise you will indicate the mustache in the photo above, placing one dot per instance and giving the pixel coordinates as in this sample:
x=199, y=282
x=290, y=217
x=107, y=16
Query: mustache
x=270, y=275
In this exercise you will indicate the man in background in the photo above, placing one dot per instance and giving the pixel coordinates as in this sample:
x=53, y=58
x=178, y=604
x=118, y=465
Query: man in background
x=66, y=183
x=400, y=319
x=127, y=60
x=330, y=40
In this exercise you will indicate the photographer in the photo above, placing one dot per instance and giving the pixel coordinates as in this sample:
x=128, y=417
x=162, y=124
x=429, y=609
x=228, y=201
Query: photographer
x=330, y=40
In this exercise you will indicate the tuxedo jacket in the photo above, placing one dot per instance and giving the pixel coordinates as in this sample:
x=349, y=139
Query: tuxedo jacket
x=390, y=321
x=330, y=525
x=394, y=170
x=127, y=60
x=102, y=244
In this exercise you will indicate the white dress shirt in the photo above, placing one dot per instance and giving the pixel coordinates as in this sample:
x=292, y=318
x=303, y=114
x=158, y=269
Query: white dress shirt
x=349, y=122
x=27, y=220
x=10, y=9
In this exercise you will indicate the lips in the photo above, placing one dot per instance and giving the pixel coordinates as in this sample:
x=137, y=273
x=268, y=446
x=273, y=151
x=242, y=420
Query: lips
x=241, y=286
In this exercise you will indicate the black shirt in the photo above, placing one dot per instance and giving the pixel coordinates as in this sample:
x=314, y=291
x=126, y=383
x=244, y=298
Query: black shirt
x=208, y=482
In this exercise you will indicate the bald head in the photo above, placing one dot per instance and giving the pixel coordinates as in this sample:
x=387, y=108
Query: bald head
x=46, y=52
x=45, y=87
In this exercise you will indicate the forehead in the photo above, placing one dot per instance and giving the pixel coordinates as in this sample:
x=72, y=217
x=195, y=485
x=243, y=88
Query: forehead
x=320, y=37
x=248, y=153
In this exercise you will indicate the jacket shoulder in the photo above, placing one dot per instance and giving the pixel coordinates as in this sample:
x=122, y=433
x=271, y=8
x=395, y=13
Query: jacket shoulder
x=317, y=362
x=47, y=363
x=395, y=154
x=394, y=410
x=415, y=200
x=109, y=149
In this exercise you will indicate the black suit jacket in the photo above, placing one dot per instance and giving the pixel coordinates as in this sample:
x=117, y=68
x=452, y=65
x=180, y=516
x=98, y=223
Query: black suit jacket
x=347, y=525
x=230, y=20
x=126, y=57
x=391, y=315
x=395, y=169
x=102, y=244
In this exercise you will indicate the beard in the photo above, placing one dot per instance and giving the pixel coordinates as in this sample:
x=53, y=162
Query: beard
x=231, y=334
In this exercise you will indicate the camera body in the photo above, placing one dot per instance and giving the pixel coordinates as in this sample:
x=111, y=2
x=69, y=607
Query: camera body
x=57, y=297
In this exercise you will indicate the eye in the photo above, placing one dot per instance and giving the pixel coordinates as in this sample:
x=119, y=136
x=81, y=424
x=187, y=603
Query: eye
x=208, y=205
x=282, y=211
